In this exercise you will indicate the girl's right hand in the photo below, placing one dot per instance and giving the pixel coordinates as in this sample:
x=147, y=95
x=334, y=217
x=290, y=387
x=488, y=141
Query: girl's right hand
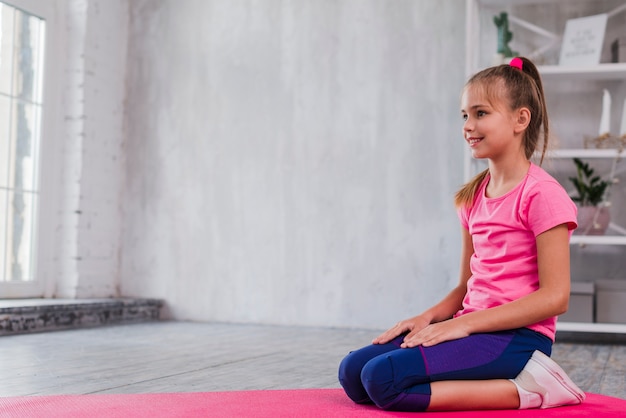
x=410, y=326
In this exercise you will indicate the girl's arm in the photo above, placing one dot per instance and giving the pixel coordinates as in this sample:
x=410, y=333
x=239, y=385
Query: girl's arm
x=549, y=300
x=447, y=307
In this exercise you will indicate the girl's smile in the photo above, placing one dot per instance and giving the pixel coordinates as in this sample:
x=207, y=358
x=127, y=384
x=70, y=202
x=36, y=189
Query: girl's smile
x=472, y=141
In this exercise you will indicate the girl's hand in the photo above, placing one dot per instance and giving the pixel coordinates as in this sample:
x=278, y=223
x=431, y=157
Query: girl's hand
x=433, y=334
x=408, y=325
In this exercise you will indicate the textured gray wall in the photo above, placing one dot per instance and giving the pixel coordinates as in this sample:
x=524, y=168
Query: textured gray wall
x=293, y=162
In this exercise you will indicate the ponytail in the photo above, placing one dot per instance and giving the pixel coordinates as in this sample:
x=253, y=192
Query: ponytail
x=466, y=195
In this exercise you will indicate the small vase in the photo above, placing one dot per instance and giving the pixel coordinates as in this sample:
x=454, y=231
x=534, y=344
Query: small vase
x=593, y=220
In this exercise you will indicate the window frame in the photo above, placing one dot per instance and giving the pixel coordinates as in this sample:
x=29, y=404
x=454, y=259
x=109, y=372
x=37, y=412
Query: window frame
x=48, y=212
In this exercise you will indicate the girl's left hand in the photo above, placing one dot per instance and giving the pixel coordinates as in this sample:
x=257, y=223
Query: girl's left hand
x=436, y=333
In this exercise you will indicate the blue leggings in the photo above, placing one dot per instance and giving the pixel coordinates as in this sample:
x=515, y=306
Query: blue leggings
x=399, y=379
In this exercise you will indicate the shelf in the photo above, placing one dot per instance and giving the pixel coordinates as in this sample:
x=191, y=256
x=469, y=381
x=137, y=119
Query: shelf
x=591, y=327
x=500, y=3
x=585, y=153
x=595, y=72
x=542, y=22
x=598, y=239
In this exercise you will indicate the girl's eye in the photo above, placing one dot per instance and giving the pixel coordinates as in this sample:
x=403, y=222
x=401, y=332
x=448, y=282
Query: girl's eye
x=464, y=116
x=481, y=113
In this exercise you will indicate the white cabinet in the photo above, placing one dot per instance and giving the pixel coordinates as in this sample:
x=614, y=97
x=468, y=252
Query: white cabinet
x=574, y=99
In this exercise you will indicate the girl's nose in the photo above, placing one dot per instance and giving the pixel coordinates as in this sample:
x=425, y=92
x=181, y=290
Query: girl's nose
x=468, y=125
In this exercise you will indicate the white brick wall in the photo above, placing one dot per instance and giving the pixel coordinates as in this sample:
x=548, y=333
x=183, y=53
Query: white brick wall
x=93, y=103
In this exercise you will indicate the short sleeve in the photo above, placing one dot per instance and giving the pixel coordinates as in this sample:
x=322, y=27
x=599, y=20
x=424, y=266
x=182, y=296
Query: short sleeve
x=463, y=214
x=548, y=205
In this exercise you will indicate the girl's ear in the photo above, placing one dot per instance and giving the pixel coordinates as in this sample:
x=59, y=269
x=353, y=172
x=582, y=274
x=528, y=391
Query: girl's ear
x=523, y=119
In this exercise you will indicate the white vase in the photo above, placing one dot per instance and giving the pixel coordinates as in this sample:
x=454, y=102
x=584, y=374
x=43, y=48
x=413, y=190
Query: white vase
x=593, y=220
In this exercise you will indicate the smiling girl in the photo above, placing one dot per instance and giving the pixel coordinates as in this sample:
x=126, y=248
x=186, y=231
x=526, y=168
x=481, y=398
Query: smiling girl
x=486, y=345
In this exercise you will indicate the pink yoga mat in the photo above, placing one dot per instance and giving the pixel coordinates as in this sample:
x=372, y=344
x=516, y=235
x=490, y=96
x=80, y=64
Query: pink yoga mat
x=316, y=403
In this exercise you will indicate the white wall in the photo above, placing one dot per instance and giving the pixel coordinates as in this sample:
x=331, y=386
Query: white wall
x=91, y=61
x=292, y=162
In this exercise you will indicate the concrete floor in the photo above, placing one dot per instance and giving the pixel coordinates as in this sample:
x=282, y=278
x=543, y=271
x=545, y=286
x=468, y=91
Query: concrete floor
x=186, y=357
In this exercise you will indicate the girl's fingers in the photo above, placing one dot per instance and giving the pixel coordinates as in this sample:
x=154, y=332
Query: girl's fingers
x=390, y=334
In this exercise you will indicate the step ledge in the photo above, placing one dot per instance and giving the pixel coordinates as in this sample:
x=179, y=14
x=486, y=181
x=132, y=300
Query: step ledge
x=34, y=305
x=39, y=315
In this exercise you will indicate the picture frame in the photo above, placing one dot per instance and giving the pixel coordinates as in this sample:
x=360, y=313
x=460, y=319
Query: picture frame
x=583, y=40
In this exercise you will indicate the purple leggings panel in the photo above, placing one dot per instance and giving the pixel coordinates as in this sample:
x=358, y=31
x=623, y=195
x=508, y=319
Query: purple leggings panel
x=397, y=378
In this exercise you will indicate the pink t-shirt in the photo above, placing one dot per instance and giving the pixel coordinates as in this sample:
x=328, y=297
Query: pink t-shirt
x=504, y=231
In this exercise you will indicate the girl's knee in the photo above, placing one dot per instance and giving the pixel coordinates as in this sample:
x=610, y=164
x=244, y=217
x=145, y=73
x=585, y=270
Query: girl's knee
x=379, y=381
x=350, y=378
x=389, y=391
x=368, y=374
x=350, y=367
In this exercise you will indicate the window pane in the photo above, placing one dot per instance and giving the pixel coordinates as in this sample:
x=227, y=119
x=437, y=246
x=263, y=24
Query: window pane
x=23, y=142
x=20, y=223
x=29, y=59
x=4, y=205
x=21, y=75
x=7, y=48
x=37, y=45
x=5, y=130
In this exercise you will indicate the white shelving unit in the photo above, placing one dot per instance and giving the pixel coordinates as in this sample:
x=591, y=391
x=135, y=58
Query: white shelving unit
x=537, y=26
x=615, y=71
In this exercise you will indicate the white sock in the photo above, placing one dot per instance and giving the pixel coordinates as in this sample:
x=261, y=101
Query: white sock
x=530, y=393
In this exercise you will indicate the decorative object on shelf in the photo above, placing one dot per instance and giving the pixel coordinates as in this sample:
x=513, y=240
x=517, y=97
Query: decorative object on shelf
x=611, y=301
x=618, y=50
x=593, y=210
x=593, y=220
x=582, y=40
x=605, y=119
x=615, y=51
x=607, y=141
x=504, y=37
x=622, y=129
x=604, y=138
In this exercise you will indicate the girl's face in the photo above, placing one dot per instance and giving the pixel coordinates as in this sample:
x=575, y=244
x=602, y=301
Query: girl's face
x=489, y=124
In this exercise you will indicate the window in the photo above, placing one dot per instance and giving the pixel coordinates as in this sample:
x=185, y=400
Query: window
x=22, y=45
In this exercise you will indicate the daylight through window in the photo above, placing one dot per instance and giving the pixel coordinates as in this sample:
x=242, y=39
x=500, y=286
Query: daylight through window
x=21, y=74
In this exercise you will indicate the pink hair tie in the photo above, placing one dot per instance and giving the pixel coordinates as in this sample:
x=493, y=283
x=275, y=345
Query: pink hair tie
x=517, y=63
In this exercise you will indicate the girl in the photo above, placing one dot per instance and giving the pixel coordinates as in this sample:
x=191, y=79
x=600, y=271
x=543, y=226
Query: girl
x=499, y=322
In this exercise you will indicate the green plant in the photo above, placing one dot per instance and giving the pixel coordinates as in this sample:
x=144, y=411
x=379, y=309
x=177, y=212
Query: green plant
x=590, y=187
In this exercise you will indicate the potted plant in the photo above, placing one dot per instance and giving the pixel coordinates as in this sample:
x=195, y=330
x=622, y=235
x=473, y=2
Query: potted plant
x=593, y=211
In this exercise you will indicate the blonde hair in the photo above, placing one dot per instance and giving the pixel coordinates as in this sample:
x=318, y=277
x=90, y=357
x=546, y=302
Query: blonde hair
x=522, y=88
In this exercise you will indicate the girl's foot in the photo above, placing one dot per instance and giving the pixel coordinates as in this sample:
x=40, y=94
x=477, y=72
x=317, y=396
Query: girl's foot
x=543, y=384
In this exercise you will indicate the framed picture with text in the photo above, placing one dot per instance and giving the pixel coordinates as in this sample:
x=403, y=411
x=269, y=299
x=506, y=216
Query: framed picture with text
x=582, y=40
